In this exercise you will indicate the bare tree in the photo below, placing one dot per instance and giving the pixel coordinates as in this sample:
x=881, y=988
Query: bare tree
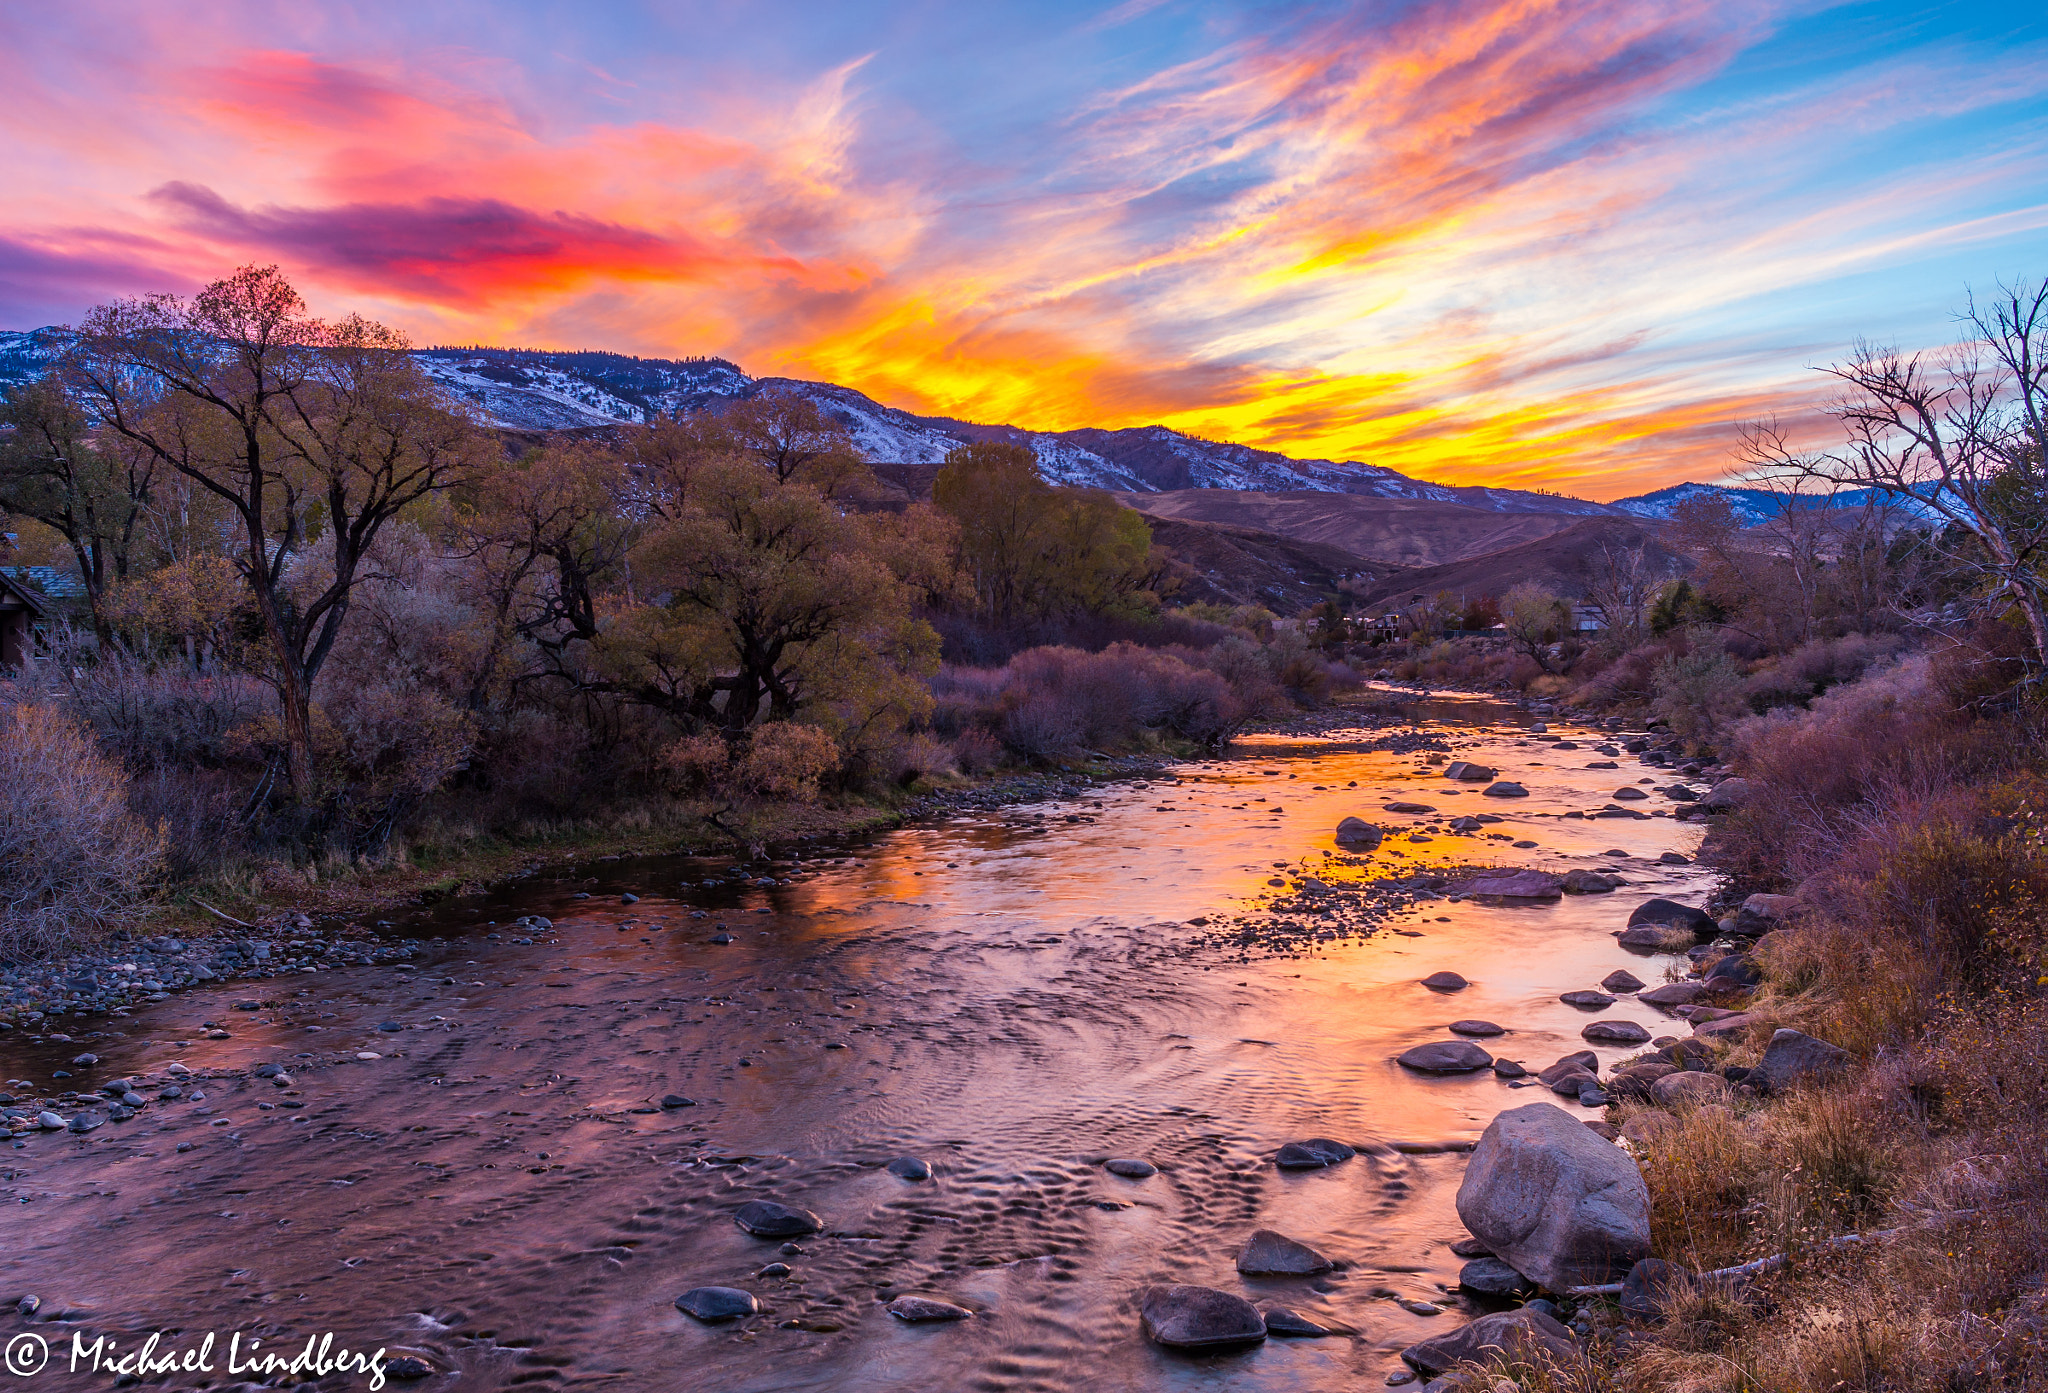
x=302, y=428
x=1963, y=435
x=1620, y=585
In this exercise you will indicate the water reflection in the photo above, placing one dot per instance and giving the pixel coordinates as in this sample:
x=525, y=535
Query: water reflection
x=1012, y=995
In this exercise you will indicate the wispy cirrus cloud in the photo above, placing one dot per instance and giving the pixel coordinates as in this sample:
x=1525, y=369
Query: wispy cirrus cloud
x=1534, y=241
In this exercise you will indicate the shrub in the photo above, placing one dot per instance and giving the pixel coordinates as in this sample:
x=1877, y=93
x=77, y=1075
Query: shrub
x=1698, y=693
x=785, y=761
x=72, y=859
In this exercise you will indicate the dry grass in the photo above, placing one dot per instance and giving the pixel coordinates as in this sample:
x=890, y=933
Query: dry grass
x=72, y=860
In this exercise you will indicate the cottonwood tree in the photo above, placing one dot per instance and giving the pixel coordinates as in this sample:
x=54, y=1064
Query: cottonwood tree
x=763, y=602
x=1961, y=435
x=303, y=429
x=1536, y=619
x=96, y=499
x=1033, y=551
x=797, y=442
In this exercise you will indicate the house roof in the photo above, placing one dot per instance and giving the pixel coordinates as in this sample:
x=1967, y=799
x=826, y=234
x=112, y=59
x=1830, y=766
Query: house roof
x=48, y=581
x=10, y=588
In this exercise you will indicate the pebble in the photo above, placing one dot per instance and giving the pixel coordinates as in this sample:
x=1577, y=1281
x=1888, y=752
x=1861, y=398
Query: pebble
x=1131, y=1168
x=677, y=1100
x=774, y=1269
x=910, y=1168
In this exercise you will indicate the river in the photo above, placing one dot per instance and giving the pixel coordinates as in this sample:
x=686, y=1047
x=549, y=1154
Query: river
x=1012, y=995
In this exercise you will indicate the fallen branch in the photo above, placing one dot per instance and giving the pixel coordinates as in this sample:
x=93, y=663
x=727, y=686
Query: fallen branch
x=218, y=915
x=1778, y=1260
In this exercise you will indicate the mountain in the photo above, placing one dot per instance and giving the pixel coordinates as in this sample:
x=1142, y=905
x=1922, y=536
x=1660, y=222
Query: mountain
x=534, y=390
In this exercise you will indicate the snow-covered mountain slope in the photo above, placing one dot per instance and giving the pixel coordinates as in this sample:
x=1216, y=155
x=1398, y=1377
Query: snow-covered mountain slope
x=1755, y=506
x=542, y=390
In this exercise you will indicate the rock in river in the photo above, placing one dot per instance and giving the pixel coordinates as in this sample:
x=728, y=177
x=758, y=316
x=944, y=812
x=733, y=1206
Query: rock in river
x=1409, y=808
x=1281, y=1321
x=1554, y=1201
x=767, y=1219
x=1674, y=994
x=1445, y=982
x=1466, y=772
x=1270, y=1254
x=1511, y=885
x=1481, y=1028
x=714, y=1304
x=1182, y=1317
x=1615, y=1033
x=1356, y=831
x=910, y=1168
x=922, y=1308
x=1505, y=789
x=1492, y=1277
x=1131, y=1168
x=1673, y=915
x=1621, y=980
x=1446, y=1057
x=1587, y=1001
x=1312, y=1154
x=1513, y=1337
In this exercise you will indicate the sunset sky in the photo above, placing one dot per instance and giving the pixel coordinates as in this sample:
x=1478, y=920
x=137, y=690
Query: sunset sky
x=1560, y=245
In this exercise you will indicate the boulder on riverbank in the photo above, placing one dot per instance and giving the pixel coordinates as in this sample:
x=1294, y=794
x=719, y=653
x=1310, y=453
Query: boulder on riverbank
x=1554, y=1201
x=1728, y=795
x=1793, y=1058
x=1585, y=882
x=1513, y=1337
x=1671, y=914
x=1187, y=1317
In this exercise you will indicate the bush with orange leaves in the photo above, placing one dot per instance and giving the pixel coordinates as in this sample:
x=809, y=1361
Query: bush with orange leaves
x=72, y=859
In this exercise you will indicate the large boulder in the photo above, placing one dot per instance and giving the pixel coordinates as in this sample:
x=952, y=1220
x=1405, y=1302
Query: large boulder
x=1728, y=795
x=1554, y=1201
x=1183, y=1317
x=1512, y=1337
x=1357, y=832
x=1636, y=1080
x=1446, y=1057
x=1511, y=885
x=1794, y=1057
x=1671, y=914
x=1270, y=1254
x=1504, y=789
x=1736, y=972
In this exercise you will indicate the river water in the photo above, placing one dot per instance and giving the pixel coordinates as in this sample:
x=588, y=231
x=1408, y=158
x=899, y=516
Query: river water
x=1012, y=995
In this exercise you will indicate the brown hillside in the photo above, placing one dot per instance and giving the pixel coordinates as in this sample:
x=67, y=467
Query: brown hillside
x=1400, y=531
x=1238, y=566
x=1561, y=562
